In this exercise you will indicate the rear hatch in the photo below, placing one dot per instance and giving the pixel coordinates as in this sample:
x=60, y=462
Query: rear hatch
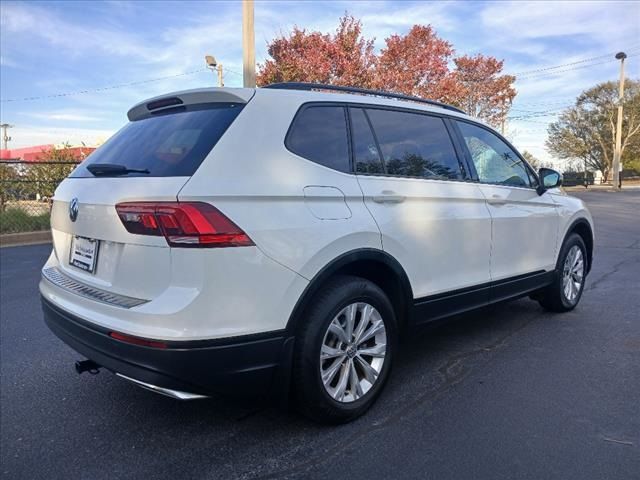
x=108, y=218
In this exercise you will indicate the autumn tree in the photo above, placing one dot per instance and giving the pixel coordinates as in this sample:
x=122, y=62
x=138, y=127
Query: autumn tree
x=586, y=131
x=416, y=63
x=344, y=58
x=481, y=89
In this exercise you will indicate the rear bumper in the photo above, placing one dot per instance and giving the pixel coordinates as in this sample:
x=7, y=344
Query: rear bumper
x=253, y=365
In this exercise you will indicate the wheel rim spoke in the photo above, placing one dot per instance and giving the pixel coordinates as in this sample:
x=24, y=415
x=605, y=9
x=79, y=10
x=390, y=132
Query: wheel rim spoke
x=328, y=374
x=338, y=331
x=377, y=351
x=370, y=373
x=365, y=317
x=330, y=352
x=354, y=382
x=342, y=381
x=350, y=320
x=372, y=331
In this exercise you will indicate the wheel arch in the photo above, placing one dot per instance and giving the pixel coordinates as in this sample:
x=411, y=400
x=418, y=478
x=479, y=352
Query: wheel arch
x=369, y=263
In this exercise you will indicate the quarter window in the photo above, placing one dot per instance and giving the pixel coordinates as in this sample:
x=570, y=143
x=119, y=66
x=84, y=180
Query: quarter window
x=414, y=145
x=319, y=134
x=494, y=160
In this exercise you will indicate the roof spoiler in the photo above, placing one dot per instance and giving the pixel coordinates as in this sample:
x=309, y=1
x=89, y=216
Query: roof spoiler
x=189, y=97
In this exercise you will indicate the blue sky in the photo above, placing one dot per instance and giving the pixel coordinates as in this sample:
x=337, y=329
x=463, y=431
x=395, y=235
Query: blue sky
x=50, y=48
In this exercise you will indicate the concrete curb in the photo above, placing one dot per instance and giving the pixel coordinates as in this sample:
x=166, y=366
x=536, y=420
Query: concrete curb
x=25, y=238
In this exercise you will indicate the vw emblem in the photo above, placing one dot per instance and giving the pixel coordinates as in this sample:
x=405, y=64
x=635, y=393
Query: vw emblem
x=73, y=209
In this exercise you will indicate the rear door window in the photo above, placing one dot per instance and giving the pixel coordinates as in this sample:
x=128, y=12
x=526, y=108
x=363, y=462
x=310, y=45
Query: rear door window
x=319, y=134
x=414, y=144
x=167, y=145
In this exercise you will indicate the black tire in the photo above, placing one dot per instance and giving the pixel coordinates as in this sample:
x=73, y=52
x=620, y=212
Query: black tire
x=310, y=396
x=553, y=298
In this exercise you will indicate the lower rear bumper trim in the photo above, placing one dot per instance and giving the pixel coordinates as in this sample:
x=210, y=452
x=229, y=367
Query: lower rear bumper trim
x=178, y=394
x=246, y=366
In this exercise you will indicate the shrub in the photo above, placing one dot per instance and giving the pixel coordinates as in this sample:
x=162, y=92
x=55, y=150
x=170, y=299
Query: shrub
x=15, y=220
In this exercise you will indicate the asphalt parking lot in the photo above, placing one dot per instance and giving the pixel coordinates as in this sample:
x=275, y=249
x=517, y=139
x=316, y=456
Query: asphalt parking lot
x=508, y=392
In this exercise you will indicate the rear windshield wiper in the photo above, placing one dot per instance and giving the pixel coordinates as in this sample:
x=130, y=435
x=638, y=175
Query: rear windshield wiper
x=108, y=169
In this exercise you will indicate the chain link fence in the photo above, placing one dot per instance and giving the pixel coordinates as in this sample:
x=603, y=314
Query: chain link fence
x=26, y=189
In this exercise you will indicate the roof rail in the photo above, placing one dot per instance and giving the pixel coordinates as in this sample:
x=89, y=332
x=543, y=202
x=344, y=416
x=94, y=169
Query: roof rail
x=363, y=91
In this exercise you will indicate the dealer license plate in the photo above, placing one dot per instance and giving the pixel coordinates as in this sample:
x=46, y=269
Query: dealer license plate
x=84, y=253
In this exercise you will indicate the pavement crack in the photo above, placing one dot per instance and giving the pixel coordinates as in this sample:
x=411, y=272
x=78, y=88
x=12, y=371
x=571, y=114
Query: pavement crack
x=620, y=442
x=606, y=275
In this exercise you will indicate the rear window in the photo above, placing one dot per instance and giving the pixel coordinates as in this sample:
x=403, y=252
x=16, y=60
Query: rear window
x=167, y=145
x=319, y=134
x=414, y=145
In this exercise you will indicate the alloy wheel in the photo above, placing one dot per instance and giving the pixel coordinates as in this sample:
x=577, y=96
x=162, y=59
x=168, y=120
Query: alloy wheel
x=353, y=352
x=573, y=274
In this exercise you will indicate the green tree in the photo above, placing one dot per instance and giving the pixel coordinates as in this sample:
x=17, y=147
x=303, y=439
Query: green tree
x=11, y=187
x=586, y=131
x=532, y=159
x=57, y=164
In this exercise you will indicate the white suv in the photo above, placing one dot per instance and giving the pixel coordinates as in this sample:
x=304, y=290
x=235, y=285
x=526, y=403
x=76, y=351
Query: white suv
x=277, y=241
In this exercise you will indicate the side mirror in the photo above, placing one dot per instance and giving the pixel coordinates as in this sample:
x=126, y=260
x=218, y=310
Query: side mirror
x=548, y=179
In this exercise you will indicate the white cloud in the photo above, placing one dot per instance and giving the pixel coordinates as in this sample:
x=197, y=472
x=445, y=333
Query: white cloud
x=608, y=22
x=30, y=135
x=74, y=39
x=64, y=116
x=6, y=61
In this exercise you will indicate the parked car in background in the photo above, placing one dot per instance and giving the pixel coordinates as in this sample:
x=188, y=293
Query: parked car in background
x=281, y=239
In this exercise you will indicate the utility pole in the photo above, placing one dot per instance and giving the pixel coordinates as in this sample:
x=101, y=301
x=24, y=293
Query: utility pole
x=248, y=46
x=5, y=137
x=618, y=147
x=214, y=66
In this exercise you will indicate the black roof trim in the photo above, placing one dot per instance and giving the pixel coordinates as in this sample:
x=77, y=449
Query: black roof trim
x=363, y=91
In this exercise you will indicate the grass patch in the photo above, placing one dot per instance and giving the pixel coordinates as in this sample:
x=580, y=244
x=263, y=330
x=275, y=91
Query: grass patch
x=15, y=220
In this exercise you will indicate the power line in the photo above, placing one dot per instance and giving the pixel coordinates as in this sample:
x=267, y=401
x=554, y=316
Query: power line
x=528, y=119
x=584, y=60
x=108, y=87
x=566, y=105
x=548, y=74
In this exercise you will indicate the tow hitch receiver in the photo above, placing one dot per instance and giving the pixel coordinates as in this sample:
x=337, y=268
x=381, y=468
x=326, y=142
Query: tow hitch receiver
x=88, y=366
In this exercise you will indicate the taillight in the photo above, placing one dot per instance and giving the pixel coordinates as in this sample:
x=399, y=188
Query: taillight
x=183, y=224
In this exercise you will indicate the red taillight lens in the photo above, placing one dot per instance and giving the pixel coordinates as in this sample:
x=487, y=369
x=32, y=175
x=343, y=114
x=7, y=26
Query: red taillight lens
x=143, y=342
x=183, y=224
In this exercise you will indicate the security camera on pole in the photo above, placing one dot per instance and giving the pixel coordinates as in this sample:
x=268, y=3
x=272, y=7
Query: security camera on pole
x=617, y=161
x=215, y=67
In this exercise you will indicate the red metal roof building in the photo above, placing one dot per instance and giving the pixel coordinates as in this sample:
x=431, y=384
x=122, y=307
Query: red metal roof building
x=39, y=153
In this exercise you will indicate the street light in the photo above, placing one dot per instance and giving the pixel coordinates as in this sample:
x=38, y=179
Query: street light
x=617, y=151
x=211, y=62
x=5, y=136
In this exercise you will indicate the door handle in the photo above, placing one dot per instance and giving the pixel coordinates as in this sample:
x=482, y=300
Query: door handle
x=496, y=200
x=388, y=196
